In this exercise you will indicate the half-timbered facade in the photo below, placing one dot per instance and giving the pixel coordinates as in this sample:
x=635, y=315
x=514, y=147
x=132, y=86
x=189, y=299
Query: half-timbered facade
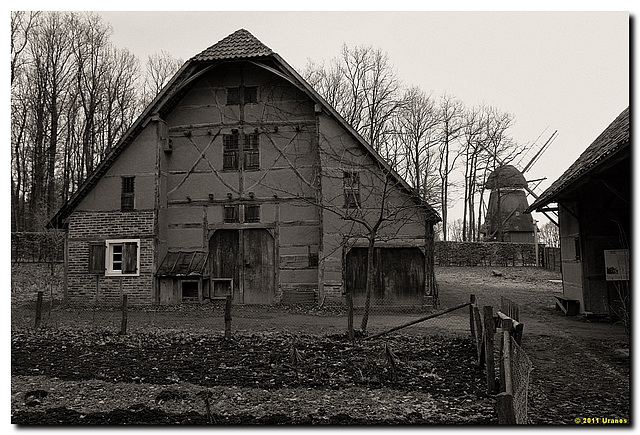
x=240, y=179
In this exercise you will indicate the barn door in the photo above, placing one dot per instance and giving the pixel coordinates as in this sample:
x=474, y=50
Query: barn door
x=258, y=267
x=247, y=257
x=399, y=276
x=224, y=251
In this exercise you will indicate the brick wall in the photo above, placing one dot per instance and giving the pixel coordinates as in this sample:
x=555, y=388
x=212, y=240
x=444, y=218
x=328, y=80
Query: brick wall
x=91, y=227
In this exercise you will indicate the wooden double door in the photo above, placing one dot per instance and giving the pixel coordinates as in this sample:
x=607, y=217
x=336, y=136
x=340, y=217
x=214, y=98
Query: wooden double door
x=399, y=276
x=248, y=257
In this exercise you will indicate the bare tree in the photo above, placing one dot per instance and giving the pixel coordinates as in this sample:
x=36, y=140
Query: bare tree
x=416, y=127
x=160, y=67
x=364, y=88
x=72, y=96
x=450, y=129
x=21, y=26
x=550, y=235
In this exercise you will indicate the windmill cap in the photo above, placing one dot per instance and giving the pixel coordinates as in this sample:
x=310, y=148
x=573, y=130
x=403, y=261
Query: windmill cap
x=506, y=176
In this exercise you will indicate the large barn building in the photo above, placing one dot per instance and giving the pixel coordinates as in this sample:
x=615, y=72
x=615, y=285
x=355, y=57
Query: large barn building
x=239, y=179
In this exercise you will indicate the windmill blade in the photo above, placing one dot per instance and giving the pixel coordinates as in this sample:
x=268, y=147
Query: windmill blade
x=542, y=149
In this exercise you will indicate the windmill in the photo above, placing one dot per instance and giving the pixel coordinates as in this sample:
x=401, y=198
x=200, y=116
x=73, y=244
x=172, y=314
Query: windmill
x=505, y=219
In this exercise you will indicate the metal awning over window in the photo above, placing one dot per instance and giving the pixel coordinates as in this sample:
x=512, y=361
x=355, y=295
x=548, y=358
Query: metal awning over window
x=183, y=264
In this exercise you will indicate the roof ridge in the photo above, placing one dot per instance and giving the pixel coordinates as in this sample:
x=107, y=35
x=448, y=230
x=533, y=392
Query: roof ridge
x=239, y=44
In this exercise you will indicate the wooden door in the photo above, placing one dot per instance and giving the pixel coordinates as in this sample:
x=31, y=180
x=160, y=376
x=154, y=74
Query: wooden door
x=247, y=257
x=258, y=267
x=224, y=250
x=399, y=276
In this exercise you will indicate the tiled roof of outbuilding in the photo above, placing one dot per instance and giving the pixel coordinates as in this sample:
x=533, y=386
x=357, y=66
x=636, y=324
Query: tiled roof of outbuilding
x=613, y=139
x=240, y=44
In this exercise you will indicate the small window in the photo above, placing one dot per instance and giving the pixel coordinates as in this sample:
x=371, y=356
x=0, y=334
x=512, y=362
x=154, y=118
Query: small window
x=233, y=96
x=127, y=193
x=576, y=244
x=231, y=214
x=252, y=213
x=313, y=256
x=222, y=287
x=250, y=94
x=230, y=156
x=351, y=186
x=190, y=290
x=122, y=257
x=251, y=151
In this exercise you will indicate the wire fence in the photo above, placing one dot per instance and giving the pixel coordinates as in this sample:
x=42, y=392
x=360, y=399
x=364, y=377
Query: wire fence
x=46, y=309
x=521, y=368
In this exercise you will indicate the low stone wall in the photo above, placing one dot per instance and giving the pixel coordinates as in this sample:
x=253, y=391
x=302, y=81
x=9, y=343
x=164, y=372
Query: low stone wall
x=487, y=254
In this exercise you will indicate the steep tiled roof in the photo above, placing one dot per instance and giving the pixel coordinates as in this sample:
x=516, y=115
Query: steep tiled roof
x=240, y=44
x=613, y=139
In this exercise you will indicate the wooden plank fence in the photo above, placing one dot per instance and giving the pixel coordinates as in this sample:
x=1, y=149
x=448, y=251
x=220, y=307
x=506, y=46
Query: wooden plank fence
x=504, y=325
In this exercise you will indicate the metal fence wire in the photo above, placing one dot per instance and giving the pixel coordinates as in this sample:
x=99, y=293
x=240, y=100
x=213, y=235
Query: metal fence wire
x=521, y=368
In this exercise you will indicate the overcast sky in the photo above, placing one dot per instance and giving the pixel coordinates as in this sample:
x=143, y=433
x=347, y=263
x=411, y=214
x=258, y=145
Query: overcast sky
x=564, y=71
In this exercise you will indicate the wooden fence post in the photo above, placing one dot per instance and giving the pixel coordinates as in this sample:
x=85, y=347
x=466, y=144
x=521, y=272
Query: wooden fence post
x=488, y=349
x=472, y=302
x=39, y=309
x=505, y=409
x=479, y=337
x=506, y=412
x=123, y=324
x=227, y=319
x=350, y=316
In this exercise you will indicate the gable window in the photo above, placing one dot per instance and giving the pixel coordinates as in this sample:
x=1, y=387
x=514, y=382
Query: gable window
x=242, y=95
x=230, y=153
x=231, y=214
x=127, y=193
x=122, y=257
x=252, y=213
x=351, y=188
x=251, y=151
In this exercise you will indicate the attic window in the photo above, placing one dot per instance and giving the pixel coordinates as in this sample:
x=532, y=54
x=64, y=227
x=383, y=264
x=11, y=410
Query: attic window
x=242, y=95
x=351, y=187
x=127, y=193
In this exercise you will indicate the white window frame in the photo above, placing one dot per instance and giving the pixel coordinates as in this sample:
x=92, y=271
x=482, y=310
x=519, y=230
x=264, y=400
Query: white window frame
x=108, y=258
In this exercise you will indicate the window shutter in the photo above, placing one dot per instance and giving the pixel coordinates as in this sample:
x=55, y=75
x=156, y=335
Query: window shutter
x=252, y=151
x=130, y=260
x=96, y=257
x=230, y=152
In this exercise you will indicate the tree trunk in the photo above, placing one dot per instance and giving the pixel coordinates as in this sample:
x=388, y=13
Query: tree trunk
x=370, y=284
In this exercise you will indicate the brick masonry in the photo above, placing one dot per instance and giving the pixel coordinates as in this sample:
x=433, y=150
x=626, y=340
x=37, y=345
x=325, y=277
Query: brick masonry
x=91, y=227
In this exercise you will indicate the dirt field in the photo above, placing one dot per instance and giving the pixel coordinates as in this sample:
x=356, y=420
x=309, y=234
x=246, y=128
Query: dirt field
x=581, y=369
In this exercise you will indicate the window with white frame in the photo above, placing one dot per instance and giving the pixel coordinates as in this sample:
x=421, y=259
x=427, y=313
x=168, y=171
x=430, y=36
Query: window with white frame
x=122, y=257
